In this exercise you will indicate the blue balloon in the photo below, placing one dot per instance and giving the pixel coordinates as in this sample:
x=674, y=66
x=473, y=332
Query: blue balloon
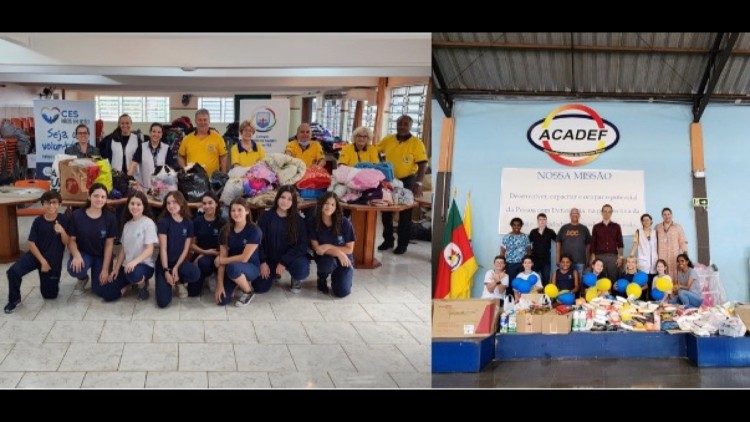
x=567, y=298
x=521, y=285
x=641, y=278
x=657, y=294
x=621, y=285
x=533, y=279
x=589, y=279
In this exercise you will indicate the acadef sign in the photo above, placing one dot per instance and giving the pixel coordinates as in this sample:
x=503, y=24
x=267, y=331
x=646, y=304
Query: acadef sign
x=573, y=135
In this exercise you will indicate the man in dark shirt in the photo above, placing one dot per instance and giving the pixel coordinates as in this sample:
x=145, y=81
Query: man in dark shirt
x=606, y=244
x=573, y=239
x=541, y=244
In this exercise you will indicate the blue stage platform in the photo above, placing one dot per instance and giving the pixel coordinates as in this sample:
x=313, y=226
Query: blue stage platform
x=462, y=355
x=718, y=351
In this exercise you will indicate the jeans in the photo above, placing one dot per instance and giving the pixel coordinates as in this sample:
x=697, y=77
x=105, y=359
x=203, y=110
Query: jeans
x=341, y=277
x=543, y=269
x=49, y=282
x=251, y=272
x=689, y=299
x=109, y=291
x=188, y=272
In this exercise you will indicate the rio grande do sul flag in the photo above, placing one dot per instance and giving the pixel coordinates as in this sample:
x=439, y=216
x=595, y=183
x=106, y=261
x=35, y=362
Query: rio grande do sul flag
x=457, y=264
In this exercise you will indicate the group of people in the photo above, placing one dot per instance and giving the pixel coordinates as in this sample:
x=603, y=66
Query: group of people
x=241, y=253
x=656, y=251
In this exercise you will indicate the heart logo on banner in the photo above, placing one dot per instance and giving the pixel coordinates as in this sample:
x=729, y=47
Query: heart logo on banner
x=50, y=115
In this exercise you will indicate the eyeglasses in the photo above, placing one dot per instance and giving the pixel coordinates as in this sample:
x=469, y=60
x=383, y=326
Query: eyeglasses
x=361, y=136
x=82, y=133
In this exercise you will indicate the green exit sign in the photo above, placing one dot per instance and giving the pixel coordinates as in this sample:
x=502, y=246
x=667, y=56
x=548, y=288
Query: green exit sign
x=700, y=202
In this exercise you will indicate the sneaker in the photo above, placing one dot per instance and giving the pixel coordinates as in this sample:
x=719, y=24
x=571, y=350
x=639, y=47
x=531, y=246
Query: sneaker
x=385, y=245
x=12, y=306
x=296, y=286
x=80, y=286
x=323, y=285
x=182, y=290
x=143, y=292
x=399, y=250
x=244, y=299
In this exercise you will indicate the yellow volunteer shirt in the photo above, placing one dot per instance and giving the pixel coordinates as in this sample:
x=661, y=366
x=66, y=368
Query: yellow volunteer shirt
x=403, y=155
x=350, y=157
x=246, y=158
x=313, y=153
x=204, y=151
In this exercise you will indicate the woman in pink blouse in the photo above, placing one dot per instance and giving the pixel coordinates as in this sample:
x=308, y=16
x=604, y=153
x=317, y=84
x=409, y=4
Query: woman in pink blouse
x=671, y=241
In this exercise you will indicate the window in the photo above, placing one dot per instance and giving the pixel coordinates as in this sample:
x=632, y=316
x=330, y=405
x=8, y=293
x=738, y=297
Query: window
x=368, y=118
x=220, y=109
x=140, y=109
x=408, y=100
x=332, y=116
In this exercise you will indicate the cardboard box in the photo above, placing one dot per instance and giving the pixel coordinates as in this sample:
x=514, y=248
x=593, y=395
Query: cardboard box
x=528, y=323
x=464, y=318
x=552, y=323
x=74, y=182
x=743, y=312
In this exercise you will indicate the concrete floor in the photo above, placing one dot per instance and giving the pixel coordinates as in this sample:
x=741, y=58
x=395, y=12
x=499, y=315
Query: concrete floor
x=605, y=373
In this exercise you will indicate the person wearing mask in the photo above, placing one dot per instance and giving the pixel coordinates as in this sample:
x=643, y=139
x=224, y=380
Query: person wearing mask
x=311, y=152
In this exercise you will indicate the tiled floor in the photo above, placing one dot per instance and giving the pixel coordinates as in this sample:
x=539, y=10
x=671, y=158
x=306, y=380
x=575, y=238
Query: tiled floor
x=378, y=337
x=605, y=373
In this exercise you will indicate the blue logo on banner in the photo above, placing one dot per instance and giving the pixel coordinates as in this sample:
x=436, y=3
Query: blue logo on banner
x=50, y=115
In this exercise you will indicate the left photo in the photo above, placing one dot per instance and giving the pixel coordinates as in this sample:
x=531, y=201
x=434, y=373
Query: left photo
x=215, y=219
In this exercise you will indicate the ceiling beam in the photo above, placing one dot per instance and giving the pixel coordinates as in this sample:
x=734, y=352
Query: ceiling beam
x=717, y=60
x=579, y=48
x=687, y=97
x=439, y=92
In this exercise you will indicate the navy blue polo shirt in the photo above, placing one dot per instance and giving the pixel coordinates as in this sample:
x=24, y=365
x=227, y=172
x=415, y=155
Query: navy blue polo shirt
x=92, y=233
x=207, y=232
x=276, y=247
x=47, y=241
x=236, y=242
x=326, y=236
x=177, y=235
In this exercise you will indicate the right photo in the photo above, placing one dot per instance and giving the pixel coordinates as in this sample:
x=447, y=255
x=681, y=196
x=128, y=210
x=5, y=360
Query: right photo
x=588, y=226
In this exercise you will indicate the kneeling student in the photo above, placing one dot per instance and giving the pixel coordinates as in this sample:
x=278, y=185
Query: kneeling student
x=47, y=241
x=332, y=239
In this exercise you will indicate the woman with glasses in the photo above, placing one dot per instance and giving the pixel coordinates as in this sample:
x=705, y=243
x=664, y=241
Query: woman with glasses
x=360, y=151
x=82, y=148
x=246, y=152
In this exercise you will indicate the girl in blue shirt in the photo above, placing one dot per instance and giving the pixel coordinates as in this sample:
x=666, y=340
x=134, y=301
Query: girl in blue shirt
x=205, y=248
x=332, y=239
x=284, y=246
x=175, y=232
x=92, y=237
x=238, y=263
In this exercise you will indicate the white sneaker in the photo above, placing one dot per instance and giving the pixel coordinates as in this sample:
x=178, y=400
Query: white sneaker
x=80, y=286
x=182, y=290
x=245, y=299
x=296, y=286
x=212, y=283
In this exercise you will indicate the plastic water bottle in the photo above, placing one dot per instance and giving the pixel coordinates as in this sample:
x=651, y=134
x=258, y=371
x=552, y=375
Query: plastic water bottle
x=576, y=320
x=504, y=322
x=512, y=325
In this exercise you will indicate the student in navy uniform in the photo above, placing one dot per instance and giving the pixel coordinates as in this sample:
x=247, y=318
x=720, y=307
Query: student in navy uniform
x=332, y=239
x=92, y=237
x=238, y=262
x=135, y=263
x=47, y=241
x=284, y=246
x=175, y=233
x=205, y=248
x=566, y=277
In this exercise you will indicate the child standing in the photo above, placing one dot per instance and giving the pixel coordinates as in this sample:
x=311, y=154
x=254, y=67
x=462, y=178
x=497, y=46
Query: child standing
x=47, y=241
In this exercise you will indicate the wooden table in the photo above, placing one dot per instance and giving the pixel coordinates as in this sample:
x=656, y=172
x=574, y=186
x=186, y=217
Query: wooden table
x=365, y=222
x=153, y=203
x=9, y=198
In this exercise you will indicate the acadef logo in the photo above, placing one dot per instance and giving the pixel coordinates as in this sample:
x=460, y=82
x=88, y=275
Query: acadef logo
x=50, y=114
x=573, y=135
x=265, y=119
x=452, y=255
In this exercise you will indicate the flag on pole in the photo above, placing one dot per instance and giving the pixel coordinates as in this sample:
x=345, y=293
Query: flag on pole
x=467, y=215
x=457, y=264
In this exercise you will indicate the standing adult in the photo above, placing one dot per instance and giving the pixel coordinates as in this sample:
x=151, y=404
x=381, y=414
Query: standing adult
x=119, y=146
x=541, y=245
x=671, y=241
x=204, y=146
x=644, y=248
x=514, y=247
x=246, y=152
x=360, y=150
x=573, y=239
x=82, y=148
x=606, y=243
x=409, y=158
x=302, y=147
x=149, y=155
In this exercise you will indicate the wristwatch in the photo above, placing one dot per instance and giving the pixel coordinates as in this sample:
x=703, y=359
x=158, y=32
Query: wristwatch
x=168, y=270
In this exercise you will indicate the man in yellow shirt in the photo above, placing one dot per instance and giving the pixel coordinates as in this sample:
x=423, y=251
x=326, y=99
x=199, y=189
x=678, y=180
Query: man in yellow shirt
x=203, y=146
x=409, y=158
x=311, y=152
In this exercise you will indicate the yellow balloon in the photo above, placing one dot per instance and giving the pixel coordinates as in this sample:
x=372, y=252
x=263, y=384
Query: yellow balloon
x=633, y=290
x=603, y=284
x=591, y=293
x=663, y=284
x=551, y=291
